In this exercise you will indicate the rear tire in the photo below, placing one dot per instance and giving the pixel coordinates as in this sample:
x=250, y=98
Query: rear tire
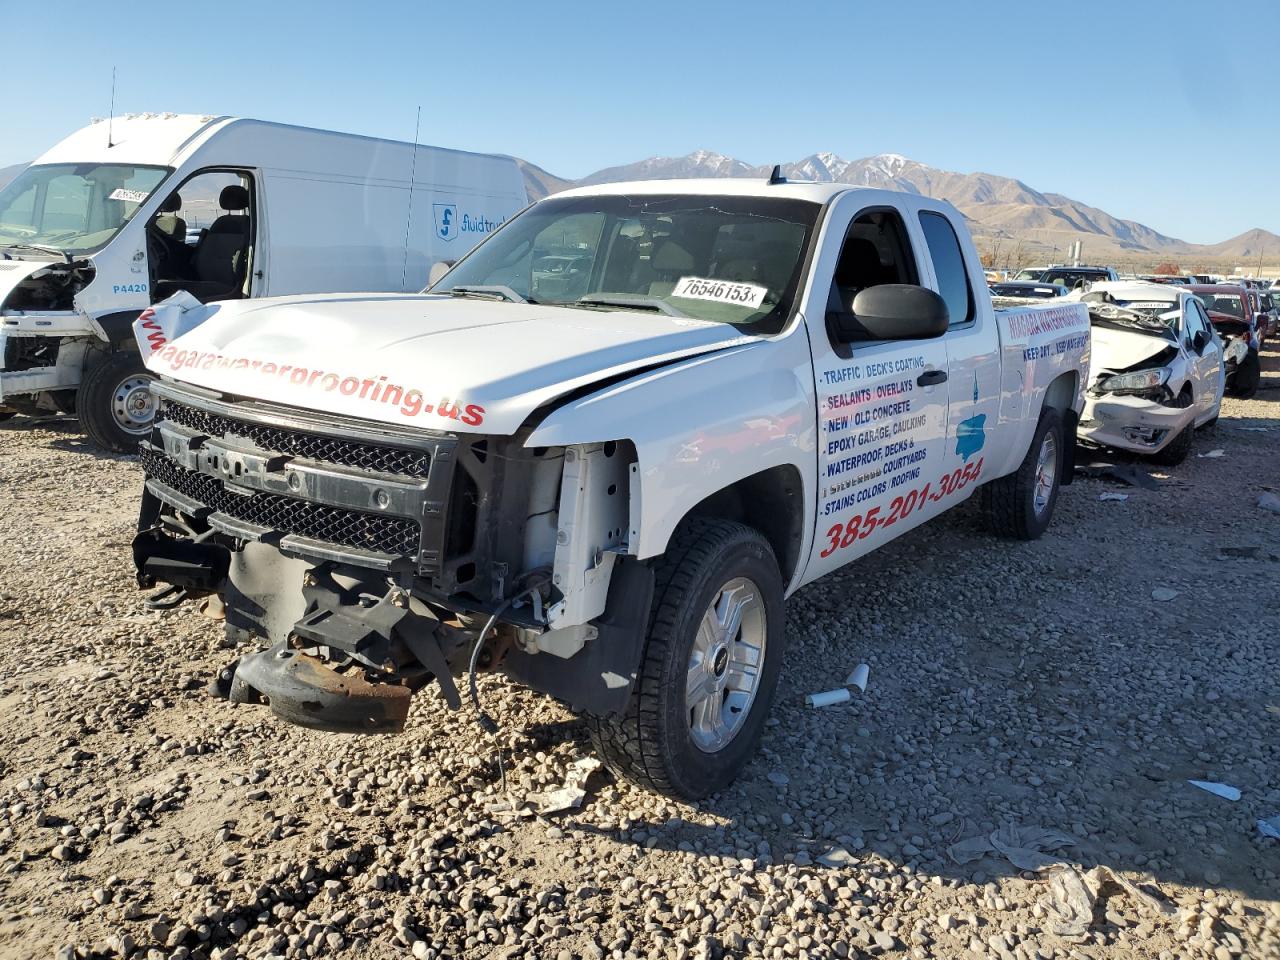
x=1021, y=505
x=115, y=403
x=716, y=628
x=1247, y=377
x=1176, y=450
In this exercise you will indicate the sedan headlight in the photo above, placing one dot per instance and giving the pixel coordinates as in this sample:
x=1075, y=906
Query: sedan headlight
x=1235, y=351
x=1137, y=381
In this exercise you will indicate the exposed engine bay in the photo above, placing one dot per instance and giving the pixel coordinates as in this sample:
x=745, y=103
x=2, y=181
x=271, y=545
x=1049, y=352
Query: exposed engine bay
x=51, y=288
x=374, y=560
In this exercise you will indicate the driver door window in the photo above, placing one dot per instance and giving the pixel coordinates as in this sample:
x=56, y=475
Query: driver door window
x=202, y=238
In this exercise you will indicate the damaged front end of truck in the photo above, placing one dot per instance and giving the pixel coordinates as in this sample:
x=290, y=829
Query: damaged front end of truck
x=370, y=560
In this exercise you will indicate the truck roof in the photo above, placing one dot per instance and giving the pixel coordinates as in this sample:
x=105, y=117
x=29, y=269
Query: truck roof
x=731, y=186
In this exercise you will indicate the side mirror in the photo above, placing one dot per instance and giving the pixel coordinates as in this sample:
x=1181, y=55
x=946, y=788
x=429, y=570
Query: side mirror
x=893, y=311
x=1199, y=341
x=438, y=270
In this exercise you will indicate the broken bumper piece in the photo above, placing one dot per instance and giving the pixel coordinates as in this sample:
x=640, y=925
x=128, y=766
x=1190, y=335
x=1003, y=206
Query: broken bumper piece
x=1133, y=423
x=304, y=690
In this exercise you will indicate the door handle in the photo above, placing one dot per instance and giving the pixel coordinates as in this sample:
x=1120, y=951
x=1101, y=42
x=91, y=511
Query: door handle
x=931, y=378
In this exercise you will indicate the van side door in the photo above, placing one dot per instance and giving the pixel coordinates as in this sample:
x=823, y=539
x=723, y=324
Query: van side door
x=882, y=404
x=973, y=352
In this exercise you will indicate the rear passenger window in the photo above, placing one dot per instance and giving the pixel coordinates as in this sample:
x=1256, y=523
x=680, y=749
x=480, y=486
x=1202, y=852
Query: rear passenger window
x=948, y=264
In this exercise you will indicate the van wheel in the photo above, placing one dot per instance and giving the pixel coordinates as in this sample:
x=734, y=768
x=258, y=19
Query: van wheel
x=1176, y=450
x=1021, y=505
x=115, y=403
x=710, y=664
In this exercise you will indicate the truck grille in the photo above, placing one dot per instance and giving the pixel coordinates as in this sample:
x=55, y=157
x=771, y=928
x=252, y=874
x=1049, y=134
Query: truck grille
x=299, y=443
x=350, y=528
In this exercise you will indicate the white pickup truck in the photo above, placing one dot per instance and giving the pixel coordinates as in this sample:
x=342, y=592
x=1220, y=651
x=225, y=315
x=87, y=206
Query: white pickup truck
x=596, y=456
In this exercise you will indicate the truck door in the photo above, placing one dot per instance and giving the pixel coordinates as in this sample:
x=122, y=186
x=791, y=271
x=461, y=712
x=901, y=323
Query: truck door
x=973, y=355
x=882, y=404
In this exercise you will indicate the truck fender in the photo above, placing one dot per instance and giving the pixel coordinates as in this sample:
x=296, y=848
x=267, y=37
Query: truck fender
x=696, y=430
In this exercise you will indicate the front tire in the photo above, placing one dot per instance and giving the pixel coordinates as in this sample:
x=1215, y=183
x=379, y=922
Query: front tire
x=1176, y=450
x=710, y=665
x=115, y=403
x=1021, y=505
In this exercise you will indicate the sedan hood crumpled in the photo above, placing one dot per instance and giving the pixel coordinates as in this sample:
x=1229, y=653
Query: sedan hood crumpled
x=435, y=362
x=1116, y=349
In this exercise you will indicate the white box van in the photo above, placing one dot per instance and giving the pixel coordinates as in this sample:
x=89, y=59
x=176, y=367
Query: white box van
x=123, y=214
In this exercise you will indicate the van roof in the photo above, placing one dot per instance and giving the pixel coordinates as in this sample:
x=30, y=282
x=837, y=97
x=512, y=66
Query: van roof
x=163, y=139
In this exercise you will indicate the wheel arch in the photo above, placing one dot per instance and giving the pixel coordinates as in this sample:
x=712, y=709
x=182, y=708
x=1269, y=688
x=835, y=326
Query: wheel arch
x=770, y=502
x=1060, y=395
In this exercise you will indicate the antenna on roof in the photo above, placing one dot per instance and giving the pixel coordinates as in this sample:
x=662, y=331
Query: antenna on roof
x=112, y=111
x=776, y=176
x=413, y=169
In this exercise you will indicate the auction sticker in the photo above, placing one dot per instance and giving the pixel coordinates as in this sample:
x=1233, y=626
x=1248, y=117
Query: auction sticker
x=721, y=291
x=129, y=196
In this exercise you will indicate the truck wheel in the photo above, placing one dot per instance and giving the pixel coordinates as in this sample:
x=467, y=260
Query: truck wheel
x=115, y=402
x=709, y=668
x=1247, y=376
x=1176, y=450
x=1021, y=504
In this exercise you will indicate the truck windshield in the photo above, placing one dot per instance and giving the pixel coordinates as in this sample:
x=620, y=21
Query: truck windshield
x=720, y=258
x=72, y=207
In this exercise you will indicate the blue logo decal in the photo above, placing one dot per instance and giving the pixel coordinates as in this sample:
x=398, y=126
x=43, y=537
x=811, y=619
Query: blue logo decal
x=446, y=220
x=971, y=436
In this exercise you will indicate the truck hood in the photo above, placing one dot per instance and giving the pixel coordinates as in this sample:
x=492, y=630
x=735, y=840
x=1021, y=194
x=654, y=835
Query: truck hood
x=432, y=361
x=1116, y=349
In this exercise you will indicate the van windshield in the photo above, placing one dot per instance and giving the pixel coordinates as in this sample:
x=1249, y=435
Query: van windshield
x=72, y=207
x=720, y=258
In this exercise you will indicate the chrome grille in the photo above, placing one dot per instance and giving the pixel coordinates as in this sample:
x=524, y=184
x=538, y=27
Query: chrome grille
x=351, y=528
x=300, y=443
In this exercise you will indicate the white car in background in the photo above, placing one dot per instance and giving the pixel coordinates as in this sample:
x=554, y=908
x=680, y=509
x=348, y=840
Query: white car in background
x=1156, y=372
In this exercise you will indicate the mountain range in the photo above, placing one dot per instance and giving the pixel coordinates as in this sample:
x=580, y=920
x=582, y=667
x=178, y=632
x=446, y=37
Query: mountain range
x=1004, y=214
x=1014, y=222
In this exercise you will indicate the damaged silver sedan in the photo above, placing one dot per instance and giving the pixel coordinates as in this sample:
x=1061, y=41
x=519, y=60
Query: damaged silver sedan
x=1156, y=372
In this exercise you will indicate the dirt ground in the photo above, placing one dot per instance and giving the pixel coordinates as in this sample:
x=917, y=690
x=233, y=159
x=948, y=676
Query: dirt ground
x=1074, y=685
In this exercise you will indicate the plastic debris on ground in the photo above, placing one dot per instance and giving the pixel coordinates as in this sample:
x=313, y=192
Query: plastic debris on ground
x=1073, y=894
x=571, y=795
x=1163, y=594
x=1021, y=846
x=1270, y=827
x=1114, y=496
x=837, y=857
x=1269, y=501
x=1133, y=476
x=827, y=698
x=1217, y=789
x=1212, y=455
x=859, y=677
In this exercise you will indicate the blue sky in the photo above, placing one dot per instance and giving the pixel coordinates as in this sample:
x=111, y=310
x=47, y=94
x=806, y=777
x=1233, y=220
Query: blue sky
x=1162, y=112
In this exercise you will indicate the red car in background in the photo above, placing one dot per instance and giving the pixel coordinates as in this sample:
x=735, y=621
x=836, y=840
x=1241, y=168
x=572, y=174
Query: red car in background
x=1232, y=313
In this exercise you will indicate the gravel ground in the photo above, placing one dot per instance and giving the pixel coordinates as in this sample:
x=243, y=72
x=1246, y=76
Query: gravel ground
x=1012, y=685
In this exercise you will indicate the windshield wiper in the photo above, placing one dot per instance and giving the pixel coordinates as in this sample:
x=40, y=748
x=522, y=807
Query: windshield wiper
x=490, y=291
x=43, y=248
x=638, y=302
